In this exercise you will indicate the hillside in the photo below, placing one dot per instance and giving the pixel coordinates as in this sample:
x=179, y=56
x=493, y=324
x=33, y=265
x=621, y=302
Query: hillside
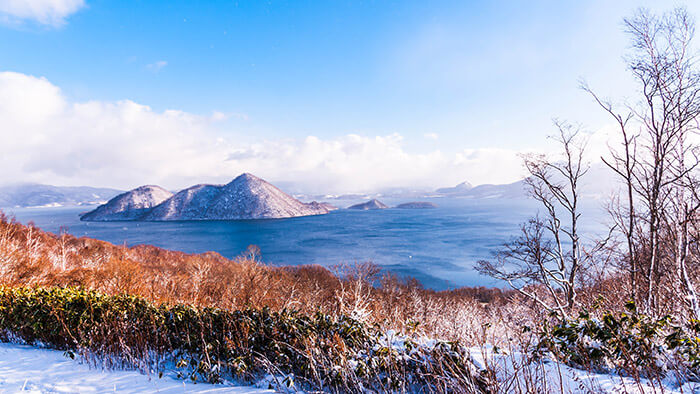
x=246, y=197
x=131, y=205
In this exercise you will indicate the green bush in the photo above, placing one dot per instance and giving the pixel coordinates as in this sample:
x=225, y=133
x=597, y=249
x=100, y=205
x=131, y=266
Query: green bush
x=629, y=343
x=216, y=345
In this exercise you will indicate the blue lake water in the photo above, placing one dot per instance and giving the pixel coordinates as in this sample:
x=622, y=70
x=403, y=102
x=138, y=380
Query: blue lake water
x=437, y=246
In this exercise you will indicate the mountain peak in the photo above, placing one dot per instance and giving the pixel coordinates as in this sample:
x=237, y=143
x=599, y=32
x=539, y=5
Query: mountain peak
x=130, y=205
x=460, y=188
x=245, y=177
x=149, y=189
x=464, y=185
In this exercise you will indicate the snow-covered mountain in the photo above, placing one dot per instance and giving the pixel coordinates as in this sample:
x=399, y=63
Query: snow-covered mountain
x=246, y=197
x=465, y=190
x=457, y=190
x=132, y=205
x=599, y=182
x=37, y=195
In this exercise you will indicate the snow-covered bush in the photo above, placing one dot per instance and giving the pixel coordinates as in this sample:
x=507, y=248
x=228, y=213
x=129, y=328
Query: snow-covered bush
x=628, y=343
x=316, y=352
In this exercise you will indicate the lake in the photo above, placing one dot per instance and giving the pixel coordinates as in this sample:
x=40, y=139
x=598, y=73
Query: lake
x=437, y=246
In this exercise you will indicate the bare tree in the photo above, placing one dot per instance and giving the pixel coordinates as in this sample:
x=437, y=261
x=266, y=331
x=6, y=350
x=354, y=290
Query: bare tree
x=658, y=162
x=544, y=261
x=623, y=164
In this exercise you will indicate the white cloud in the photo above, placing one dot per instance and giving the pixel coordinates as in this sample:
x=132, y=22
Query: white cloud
x=157, y=66
x=355, y=163
x=431, y=136
x=49, y=139
x=218, y=116
x=45, y=12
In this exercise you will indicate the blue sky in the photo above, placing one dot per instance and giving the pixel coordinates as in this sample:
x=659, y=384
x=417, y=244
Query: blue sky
x=445, y=76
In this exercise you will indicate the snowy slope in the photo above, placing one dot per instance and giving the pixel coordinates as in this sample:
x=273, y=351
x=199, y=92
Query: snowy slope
x=130, y=205
x=29, y=369
x=518, y=373
x=246, y=197
x=556, y=377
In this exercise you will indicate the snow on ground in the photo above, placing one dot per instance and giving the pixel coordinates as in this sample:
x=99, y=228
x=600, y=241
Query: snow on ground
x=516, y=373
x=30, y=369
x=558, y=377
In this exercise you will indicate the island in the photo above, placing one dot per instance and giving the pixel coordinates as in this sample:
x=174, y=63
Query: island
x=369, y=205
x=246, y=197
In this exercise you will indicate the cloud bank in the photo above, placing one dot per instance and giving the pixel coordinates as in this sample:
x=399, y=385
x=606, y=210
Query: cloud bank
x=50, y=139
x=45, y=12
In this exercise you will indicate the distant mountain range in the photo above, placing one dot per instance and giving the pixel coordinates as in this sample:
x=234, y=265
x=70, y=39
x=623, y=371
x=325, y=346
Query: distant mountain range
x=466, y=190
x=188, y=203
x=463, y=187
x=246, y=197
x=513, y=190
x=37, y=195
x=191, y=203
x=598, y=183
